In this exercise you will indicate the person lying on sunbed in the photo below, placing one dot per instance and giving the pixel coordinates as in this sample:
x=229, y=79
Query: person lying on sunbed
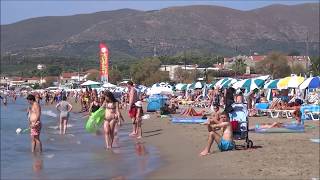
x=225, y=141
x=296, y=114
x=191, y=112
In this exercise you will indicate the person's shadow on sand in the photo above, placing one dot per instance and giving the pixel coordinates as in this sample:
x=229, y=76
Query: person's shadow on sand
x=154, y=133
x=243, y=147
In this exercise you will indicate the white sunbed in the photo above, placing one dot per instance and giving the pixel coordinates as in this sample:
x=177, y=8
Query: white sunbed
x=275, y=113
x=315, y=116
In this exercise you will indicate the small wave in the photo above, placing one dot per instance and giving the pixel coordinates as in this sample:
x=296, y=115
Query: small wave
x=49, y=113
x=50, y=156
x=57, y=127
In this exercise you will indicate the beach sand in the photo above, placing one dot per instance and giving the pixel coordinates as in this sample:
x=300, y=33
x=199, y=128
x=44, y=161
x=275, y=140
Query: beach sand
x=274, y=156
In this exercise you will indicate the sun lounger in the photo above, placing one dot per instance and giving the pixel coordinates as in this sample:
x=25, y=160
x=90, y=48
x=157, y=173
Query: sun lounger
x=276, y=113
x=262, y=108
x=313, y=115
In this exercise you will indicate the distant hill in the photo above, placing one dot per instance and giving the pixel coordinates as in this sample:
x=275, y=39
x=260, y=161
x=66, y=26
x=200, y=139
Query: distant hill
x=132, y=34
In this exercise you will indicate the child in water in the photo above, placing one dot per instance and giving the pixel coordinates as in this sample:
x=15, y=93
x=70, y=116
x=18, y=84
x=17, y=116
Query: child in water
x=139, y=119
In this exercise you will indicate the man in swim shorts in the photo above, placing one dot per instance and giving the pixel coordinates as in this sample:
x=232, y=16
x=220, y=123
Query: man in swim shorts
x=133, y=98
x=225, y=142
x=35, y=123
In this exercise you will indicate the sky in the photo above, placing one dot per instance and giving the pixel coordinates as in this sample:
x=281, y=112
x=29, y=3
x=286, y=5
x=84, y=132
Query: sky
x=14, y=11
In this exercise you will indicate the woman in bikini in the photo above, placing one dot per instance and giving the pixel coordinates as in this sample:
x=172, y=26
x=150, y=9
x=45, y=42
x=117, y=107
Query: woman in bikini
x=112, y=116
x=94, y=106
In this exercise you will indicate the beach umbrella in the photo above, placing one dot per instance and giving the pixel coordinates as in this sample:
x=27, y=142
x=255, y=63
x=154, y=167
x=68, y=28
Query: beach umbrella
x=89, y=83
x=263, y=77
x=160, y=90
x=141, y=88
x=181, y=86
x=209, y=86
x=290, y=82
x=311, y=83
x=226, y=82
x=272, y=84
x=198, y=85
x=249, y=84
x=189, y=86
x=108, y=85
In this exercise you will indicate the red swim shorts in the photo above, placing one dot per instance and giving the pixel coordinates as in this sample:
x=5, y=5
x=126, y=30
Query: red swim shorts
x=132, y=111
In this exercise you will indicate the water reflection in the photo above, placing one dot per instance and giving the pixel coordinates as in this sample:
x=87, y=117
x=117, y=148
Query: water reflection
x=37, y=164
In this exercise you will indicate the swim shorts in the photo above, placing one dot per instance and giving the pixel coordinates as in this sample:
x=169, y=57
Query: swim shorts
x=35, y=131
x=225, y=145
x=133, y=111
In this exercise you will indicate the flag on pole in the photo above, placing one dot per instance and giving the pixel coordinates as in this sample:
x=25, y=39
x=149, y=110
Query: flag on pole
x=104, y=62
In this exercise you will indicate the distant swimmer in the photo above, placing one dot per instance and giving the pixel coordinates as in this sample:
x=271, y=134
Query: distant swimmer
x=34, y=122
x=64, y=107
x=5, y=100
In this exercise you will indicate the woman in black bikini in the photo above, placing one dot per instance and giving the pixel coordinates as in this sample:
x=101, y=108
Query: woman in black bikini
x=94, y=106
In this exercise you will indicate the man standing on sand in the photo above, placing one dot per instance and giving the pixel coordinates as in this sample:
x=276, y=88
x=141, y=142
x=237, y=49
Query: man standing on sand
x=34, y=122
x=133, y=98
x=225, y=142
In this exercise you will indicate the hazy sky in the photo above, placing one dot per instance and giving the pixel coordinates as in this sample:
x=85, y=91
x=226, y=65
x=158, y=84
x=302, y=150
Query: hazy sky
x=13, y=11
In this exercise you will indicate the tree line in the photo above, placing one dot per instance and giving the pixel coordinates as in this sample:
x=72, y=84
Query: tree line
x=146, y=70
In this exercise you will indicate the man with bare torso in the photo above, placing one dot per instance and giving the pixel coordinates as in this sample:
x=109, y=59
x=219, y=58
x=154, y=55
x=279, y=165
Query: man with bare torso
x=133, y=98
x=224, y=141
x=34, y=122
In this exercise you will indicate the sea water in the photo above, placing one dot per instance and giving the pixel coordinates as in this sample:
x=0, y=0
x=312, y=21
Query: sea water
x=76, y=155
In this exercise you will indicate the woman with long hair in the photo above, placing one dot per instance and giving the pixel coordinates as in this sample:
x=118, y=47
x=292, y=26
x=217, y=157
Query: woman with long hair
x=112, y=116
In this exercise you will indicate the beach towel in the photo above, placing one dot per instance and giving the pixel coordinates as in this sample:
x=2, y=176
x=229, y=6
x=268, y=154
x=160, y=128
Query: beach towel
x=289, y=128
x=191, y=120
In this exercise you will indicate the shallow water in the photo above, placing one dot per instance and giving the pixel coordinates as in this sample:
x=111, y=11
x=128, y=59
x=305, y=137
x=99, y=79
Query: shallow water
x=77, y=155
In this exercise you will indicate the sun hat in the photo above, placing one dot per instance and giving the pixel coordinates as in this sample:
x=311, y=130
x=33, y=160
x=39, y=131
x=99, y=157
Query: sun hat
x=138, y=104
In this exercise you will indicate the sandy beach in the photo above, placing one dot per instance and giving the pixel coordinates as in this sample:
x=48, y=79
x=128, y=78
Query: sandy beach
x=274, y=156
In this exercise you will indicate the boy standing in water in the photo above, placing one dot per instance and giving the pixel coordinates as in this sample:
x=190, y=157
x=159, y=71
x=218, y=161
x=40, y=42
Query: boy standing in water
x=34, y=122
x=139, y=119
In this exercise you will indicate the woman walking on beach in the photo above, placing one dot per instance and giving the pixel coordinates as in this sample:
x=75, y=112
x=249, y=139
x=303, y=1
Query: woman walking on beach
x=112, y=116
x=64, y=107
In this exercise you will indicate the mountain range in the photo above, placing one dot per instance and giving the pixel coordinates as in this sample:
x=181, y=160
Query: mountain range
x=132, y=34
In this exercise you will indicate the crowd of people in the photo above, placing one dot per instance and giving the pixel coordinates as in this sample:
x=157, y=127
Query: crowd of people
x=216, y=104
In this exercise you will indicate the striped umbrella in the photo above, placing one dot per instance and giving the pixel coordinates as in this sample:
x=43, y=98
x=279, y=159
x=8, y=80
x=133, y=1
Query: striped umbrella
x=290, y=82
x=249, y=84
x=196, y=85
x=311, y=83
x=272, y=84
x=181, y=87
x=226, y=82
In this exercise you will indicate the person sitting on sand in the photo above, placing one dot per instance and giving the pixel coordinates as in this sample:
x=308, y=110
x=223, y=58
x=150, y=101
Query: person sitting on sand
x=191, y=112
x=214, y=119
x=224, y=141
x=168, y=109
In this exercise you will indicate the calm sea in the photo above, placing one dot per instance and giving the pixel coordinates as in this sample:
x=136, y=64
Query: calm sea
x=77, y=155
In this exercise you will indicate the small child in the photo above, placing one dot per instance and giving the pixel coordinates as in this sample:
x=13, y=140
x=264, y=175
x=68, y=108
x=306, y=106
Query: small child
x=139, y=119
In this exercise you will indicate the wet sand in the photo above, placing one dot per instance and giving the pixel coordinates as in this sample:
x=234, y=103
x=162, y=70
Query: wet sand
x=274, y=156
